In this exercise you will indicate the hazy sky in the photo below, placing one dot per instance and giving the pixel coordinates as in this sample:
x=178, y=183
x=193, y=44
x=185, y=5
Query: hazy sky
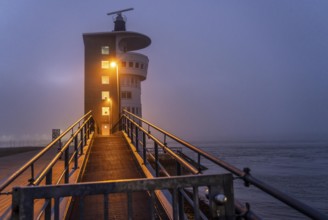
x=219, y=70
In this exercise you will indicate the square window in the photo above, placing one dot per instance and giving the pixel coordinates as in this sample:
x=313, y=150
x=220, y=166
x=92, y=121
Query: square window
x=104, y=79
x=105, y=64
x=105, y=111
x=105, y=50
x=126, y=95
x=130, y=64
x=105, y=95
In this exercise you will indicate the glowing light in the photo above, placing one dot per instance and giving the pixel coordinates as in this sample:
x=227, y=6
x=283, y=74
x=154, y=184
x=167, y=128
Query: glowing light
x=113, y=64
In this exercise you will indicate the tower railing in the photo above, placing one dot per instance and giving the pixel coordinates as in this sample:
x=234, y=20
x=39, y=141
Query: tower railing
x=67, y=147
x=142, y=133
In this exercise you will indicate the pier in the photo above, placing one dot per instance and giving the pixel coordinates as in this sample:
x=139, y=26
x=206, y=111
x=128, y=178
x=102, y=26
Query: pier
x=121, y=176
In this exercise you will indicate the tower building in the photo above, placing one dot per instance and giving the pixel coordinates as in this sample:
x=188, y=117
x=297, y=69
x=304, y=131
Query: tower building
x=113, y=73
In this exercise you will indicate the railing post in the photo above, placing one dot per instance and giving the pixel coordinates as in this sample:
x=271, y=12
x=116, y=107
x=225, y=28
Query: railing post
x=22, y=205
x=48, y=201
x=156, y=158
x=198, y=163
x=76, y=153
x=81, y=139
x=66, y=156
x=137, y=139
x=31, y=181
x=59, y=146
x=88, y=129
x=124, y=123
x=144, y=147
x=85, y=134
x=131, y=131
x=180, y=197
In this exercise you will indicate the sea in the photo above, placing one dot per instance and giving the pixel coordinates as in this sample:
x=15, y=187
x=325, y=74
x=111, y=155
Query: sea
x=297, y=169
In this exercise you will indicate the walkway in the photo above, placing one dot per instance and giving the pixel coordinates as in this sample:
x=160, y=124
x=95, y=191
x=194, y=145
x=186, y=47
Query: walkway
x=111, y=159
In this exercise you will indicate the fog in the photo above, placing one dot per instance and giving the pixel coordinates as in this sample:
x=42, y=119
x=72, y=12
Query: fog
x=229, y=71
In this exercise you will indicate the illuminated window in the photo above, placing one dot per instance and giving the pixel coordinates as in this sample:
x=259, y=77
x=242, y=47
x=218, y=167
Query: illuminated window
x=104, y=79
x=105, y=50
x=105, y=95
x=126, y=95
x=105, y=111
x=105, y=64
x=130, y=64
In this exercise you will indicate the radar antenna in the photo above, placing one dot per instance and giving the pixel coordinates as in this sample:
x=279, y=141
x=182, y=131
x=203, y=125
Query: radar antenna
x=119, y=20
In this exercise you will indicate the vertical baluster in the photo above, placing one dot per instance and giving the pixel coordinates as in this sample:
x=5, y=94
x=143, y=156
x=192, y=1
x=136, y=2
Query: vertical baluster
x=106, y=206
x=175, y=204
x=31, y=181
x=48, y=201
x=131, y=131
x=156, y=159
x=81, y=139
x=137, y=139
x=198, y=162
x=181, y=204
x=66, y=158
x=85, y=134
x=196, y=202
x=57, y=209
x=144, y=147
x=76, y=152
x=81, y=207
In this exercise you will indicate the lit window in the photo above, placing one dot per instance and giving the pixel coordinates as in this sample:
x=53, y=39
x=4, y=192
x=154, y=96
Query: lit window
x=105, y=111
x=105, y=95
x=105, y=64
x=130, y=64
x=105, y=50
x=105, y=79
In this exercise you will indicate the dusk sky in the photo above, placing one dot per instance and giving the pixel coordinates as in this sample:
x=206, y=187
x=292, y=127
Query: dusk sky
x=219, y=70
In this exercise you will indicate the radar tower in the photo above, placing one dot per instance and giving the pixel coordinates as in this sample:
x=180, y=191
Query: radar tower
x=119, y=20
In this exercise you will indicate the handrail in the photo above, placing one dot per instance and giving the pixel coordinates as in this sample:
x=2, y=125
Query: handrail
x=168, y=150
x=244, y=175
x=59, y=154
x=40, y=154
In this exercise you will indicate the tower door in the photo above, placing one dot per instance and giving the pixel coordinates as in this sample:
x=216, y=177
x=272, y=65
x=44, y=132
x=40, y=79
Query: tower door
x=105, y=128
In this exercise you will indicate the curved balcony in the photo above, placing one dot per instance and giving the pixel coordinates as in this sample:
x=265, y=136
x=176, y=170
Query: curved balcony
x=134, y=64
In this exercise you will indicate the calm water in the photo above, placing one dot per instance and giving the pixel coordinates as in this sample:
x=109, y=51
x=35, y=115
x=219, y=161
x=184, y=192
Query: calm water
x=300, y=170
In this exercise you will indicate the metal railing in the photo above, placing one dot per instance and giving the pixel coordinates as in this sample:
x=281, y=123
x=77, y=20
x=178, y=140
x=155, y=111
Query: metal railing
x=75, y=137
x=140, y=131
x=23, y=197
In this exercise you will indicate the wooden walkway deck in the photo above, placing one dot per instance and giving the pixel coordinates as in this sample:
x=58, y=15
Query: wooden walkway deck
x=111, y=159
x=10, y=164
